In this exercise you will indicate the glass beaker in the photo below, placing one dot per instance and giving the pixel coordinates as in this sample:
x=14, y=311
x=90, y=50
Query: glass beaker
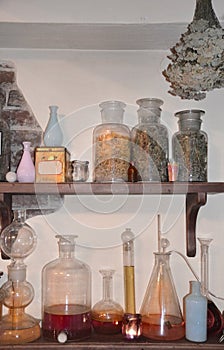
x=190, y=146
x=214, y=316
x=107, y=314
x=66, y=295
x=161, y=314
x=111, y=144
x=150, y=146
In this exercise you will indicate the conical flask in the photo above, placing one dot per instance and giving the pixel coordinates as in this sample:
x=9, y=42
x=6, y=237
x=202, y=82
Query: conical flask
x=161, y=314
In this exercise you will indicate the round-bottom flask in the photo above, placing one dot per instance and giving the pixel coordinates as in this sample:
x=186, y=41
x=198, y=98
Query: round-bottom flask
x=18, y=241
x=107, y=315
x=66, y=295
x=161, y=314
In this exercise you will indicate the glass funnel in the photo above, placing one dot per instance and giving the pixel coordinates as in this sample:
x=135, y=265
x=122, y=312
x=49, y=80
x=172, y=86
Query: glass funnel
x=214, y=316
x=17, y=241
x=66, y=295
x=107, y=315
x=161, y=314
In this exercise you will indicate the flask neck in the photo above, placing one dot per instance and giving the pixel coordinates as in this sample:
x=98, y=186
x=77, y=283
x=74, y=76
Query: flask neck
x=53, y=111
x=20, y=216
x=107, y=284
x=112, y=111
x=26, y=146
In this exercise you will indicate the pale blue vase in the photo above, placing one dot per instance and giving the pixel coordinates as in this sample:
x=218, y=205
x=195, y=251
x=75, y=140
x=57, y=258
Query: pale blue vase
x=53, y=136
x=195, y=314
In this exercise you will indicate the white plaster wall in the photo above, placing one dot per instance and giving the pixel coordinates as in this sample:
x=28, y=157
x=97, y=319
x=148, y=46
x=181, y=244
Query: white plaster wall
x=77, y=81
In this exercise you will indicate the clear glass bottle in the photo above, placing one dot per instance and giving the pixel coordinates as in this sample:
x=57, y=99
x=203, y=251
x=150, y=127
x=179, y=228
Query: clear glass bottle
x=5, y=147
x=190, y=146
x=150, y=145
x=161, y=314
x=17, y=241
x=26, y=169
x=66, y=295
x=53, y=136
x=111, y=144
x=107, y=314
x=195, y=305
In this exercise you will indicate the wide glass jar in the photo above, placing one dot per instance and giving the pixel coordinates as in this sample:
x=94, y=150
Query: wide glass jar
x=190, y=146
x=66, y=295
x=111, y=144
x=150, y=145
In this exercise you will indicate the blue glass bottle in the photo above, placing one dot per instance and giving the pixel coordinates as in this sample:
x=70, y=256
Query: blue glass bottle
x=53, y=136
x=195, y=314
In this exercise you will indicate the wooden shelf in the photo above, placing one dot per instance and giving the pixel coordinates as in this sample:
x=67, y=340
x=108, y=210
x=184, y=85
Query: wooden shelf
x=99, y=342
x=196, y=196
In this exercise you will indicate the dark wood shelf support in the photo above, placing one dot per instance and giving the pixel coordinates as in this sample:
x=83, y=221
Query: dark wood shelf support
x=193, y=203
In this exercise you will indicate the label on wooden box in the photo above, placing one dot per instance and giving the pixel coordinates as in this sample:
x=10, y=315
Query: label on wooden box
x=52, y=164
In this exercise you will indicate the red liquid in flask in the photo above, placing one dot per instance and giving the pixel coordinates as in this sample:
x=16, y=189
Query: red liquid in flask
x=214, y=319
x=74, y=320
x=111, y=327
x=172, y=329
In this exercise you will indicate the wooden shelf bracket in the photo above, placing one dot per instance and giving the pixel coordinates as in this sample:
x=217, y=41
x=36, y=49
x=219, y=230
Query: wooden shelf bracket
x=193, y=203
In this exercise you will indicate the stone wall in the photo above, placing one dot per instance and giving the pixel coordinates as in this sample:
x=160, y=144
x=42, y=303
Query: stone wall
x=23, y=127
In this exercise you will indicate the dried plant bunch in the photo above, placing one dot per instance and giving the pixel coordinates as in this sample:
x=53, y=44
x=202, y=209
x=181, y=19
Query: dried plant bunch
x=198, y=58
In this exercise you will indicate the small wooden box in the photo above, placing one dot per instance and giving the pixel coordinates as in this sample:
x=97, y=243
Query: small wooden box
x=52, y=164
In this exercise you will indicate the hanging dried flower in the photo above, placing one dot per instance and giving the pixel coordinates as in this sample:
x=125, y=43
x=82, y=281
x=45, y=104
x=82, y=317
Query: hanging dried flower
x=198, y=58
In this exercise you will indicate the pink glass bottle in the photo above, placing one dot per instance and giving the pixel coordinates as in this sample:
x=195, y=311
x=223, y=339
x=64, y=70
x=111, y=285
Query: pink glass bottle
x=26, y=170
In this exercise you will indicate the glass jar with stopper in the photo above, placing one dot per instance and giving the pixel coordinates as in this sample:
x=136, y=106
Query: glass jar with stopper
x=66, y=295
x=161, y=313
x=18, y=241
x=107, y=314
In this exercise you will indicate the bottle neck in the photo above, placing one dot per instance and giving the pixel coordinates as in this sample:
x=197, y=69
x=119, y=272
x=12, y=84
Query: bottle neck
x=195, y=287
x=66, y=251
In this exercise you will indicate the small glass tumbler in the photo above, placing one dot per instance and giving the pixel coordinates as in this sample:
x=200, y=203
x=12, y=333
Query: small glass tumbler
x=132, y=326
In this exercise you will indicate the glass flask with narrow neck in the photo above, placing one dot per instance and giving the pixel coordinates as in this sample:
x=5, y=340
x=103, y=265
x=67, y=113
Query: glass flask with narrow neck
x=53, y=136
x=66, y=295
x=107, y=314
x=111, y=144
x=18, y=240
x=150, y=145
x=161, y=314
x=215, y=321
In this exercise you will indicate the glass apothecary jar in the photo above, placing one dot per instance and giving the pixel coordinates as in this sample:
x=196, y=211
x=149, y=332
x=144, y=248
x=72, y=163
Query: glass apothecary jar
x=66, y=295
x=111, y=144
x=190, y=146
x=150, y=144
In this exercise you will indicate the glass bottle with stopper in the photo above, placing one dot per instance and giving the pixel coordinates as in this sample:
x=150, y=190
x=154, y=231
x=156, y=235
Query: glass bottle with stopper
x=107, y=314
x=161, y=314
x=131, y=327
x=66, y=295
x=17, y=241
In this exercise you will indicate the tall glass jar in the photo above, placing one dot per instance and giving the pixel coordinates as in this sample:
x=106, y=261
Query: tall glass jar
x=5, y=147
x=66, y=295
x=111, y=144
x=150, y=145
x=190, y=146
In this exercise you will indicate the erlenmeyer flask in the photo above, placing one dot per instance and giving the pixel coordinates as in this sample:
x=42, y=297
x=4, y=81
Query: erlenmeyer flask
x=161, y=314
x=214, y=316
x=107, y=314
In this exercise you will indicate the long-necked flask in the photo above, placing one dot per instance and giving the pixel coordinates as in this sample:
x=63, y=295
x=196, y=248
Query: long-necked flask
x=107, y=314
x=53, y=136
x=66, y=295
x=161, y=314
x=214, y=316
